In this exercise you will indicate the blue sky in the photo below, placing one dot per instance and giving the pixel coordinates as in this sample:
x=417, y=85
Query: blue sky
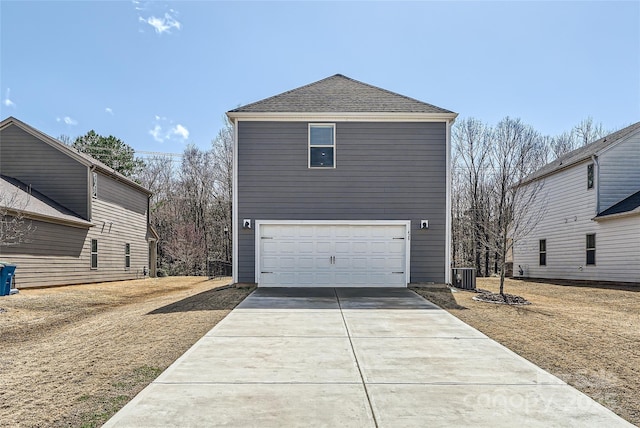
x=160, y=75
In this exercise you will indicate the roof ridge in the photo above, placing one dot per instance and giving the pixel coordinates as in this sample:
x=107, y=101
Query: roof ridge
x=582, y=153
x=339, y=93
x=288, y=92
x=616, y=136
x=394, y=93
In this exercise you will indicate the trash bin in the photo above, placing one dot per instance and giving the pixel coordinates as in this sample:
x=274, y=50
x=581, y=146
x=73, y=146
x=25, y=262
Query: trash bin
x=6, y=276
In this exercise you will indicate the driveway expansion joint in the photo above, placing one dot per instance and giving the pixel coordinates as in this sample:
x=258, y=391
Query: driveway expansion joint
x=355, y=357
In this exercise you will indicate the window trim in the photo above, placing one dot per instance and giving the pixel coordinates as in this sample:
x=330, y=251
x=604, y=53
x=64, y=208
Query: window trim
x=591, y=176
x=542, y=253
x=593, y=249
x=94, y=185
x=309, y=146
x=94, y=253
x=127, y=256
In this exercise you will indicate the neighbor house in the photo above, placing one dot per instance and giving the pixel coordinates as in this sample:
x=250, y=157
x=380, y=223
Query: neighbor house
x=81, y=221
x=590, y=229
x=340, y=183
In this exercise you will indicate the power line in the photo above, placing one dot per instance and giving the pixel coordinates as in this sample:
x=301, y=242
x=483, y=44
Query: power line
x=166, y=154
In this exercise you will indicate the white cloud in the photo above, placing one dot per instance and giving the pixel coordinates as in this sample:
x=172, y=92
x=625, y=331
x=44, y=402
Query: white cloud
x=7, y=99
x=67, y=120
x=164, y=130
x=108, y=110
x=162, y=25
x=180, y=131
x=156, y=133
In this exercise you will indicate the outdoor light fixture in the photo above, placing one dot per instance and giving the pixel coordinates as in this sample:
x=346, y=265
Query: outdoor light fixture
x=246, y=223
x=424, y=224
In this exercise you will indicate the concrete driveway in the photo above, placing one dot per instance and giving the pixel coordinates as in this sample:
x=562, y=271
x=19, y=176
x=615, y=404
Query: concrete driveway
x=349, y=357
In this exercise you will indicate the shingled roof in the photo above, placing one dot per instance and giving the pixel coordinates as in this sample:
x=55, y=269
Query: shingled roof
x=583, y=153
x=630, y=205
x=339, y=94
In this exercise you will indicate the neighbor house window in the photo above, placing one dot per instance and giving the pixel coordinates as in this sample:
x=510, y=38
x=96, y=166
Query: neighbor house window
x=591, y=249
x=94, y=184
x=94, y=254
x=127, y=256
x=590, y=176
x=322, y=145
x=543, y=252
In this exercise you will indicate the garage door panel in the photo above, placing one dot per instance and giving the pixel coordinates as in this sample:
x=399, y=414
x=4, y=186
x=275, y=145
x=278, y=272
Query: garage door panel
x=324, y=247
x=270, y=262
x=332, y=255
x=307, y=263
x=305, y=247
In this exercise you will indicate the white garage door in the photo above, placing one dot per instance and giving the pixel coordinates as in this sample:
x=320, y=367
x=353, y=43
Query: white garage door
x=332, y=255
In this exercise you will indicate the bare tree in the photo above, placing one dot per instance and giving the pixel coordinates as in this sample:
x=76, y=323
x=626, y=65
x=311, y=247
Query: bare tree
x=563, y=143
x=222, y=153
x=191, y=204
x=15, y=228
x=516, y=151
x=472, y=141
x=587, y=131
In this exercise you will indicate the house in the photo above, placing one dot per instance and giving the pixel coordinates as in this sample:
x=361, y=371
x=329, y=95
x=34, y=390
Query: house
x=591, y=226
x=340, y=183
x=84, y=222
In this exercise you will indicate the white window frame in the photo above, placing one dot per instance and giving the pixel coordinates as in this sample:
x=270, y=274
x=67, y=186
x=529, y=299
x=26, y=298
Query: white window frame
x=591, y=175
x=94, y=185
x=127, y=256
x=587, y=249
x=324, y=125
x=94, y=253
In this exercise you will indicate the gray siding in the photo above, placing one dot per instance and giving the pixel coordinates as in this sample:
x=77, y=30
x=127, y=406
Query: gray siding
x=123, y=195
x=619, y=172
x=46, y=169
x=384, y=171
x=61, y=255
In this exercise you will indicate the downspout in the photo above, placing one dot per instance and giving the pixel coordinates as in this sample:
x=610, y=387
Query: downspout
x=447, y=255
x=594, y=158
x=234, y=207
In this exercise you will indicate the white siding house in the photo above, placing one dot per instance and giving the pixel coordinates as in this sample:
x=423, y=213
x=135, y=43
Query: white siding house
x=590, y=229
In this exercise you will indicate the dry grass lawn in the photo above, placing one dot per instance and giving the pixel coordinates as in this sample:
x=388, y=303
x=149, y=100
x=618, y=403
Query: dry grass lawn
x=73, y=356
x=589, y=336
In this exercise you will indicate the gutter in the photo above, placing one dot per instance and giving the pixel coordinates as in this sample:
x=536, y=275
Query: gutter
x=617, y=215
x=124, y=180
x=52, y=219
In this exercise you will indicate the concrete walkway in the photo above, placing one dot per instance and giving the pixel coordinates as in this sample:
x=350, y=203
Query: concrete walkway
x=354, y=358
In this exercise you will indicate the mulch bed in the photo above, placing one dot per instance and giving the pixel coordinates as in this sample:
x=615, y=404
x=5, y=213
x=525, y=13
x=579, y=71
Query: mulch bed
x=497, y=298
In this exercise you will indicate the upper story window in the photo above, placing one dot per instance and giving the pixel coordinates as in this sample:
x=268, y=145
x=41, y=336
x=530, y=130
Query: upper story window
x=322, y=145
x=94, y=184
x=590, y=176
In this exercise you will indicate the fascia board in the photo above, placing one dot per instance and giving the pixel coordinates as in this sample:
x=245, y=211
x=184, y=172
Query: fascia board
x=342, y=117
